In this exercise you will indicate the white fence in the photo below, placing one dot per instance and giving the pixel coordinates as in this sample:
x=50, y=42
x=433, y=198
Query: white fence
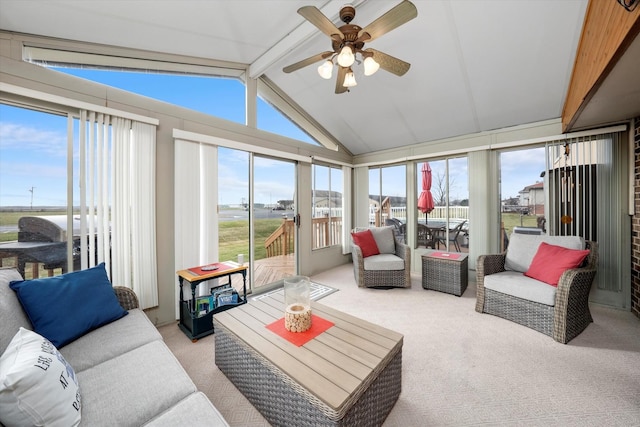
x=400, y=212
x=439, y=212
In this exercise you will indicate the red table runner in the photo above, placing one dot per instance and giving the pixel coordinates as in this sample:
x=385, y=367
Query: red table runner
x=318, y=326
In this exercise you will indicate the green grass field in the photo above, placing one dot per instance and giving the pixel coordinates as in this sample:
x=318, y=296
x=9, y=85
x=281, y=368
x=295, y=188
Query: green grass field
x=234, y=235
x=511, y=220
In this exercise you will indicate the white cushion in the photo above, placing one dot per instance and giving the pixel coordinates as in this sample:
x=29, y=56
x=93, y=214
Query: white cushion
x=384, y=239
x=383, y=262
x=523, y=247
x=518, y=285
x=37, y=385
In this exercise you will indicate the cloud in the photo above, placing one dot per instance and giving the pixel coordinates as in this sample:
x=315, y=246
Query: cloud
x=15, y=136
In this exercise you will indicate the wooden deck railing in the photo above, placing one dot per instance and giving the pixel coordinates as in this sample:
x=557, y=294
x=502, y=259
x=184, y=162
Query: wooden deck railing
x=324, y=233
x=281, y=241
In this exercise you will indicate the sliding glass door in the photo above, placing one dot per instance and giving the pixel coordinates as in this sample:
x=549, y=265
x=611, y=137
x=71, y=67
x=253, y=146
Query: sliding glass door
x=274, y=220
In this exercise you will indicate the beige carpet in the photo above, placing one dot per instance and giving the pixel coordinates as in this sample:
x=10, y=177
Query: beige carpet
x=462, y=368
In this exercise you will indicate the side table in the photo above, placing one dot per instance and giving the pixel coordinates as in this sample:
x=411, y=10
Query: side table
x=445, y=272
x=192, y=322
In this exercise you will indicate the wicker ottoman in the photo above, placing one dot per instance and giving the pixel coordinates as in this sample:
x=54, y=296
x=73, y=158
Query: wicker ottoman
x=349, y=375
x=445, y=272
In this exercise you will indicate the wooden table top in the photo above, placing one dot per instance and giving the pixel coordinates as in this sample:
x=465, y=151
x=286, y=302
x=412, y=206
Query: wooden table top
x=226, y=268
x=332, y=366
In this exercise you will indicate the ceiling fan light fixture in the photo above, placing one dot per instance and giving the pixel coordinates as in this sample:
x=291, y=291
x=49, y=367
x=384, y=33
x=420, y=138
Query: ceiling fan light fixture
x=346, y=58
x=326, y=69
x=370, y=66
x=349, y=79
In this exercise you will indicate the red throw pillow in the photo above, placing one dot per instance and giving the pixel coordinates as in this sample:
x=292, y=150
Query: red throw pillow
x=551, y=261
x=367, y=243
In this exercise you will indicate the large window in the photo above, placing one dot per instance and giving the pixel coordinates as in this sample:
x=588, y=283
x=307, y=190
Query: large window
x=33, y=183
x=218, y=96
x=388, y=197
x=326, y=206
x=443, y=204
x=522, y=192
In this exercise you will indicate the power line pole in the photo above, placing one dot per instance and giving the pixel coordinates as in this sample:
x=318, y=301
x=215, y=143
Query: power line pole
x=31, y=191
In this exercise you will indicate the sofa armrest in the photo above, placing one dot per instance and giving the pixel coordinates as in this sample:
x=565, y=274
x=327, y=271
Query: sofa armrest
x=571, y=312
x=127, y=298
x=403, y=251
x=358, y=264
x=486, y=265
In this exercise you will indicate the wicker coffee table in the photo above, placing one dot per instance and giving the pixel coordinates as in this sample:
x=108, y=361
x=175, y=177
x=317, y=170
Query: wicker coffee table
x=445, y=272
x=348, y=375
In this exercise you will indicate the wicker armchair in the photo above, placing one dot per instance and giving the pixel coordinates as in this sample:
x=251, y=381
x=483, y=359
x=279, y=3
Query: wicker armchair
x=371, y=272
x=564, y=321
x=127, y=298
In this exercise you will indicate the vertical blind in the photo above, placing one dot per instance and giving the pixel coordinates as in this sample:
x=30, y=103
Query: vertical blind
x=116, y=183
x=586, y=193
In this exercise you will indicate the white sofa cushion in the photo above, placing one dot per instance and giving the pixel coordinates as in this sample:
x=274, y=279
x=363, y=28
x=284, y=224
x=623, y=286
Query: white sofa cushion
x=12, y=317
x=196, y=408
x=131, y=331
x=518, y=285
x=131, y=389
x=523, y=247
x=383, y=262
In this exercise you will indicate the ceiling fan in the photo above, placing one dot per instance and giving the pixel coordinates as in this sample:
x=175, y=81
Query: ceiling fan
x=349, y=40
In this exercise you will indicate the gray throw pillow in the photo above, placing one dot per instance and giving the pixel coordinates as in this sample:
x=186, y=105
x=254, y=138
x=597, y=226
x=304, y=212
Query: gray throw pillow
x=384, y=239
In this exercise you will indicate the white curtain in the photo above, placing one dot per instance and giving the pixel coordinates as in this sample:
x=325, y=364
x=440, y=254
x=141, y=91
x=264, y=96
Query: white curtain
x=196, y=207
x=116, y=181
x=346, y=210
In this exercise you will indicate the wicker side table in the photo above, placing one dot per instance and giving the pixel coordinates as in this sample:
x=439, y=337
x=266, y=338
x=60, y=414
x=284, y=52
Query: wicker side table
x=445, y=272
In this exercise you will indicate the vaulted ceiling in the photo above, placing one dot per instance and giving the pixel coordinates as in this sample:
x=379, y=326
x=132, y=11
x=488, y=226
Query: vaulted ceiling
x=475, y=65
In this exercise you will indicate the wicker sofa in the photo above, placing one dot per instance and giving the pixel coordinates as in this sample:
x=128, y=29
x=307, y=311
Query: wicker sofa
x=125, y=373
x=503, y=290
x=391, y=267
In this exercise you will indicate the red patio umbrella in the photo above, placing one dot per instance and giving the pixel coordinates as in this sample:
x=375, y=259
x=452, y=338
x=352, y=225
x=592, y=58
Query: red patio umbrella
x=425, y=201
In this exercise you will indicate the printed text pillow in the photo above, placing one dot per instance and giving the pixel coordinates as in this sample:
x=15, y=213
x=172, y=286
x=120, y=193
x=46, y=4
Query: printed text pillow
x=37, y=385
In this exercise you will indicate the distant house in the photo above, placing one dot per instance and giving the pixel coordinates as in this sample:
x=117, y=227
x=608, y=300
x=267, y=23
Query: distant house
x=326, y=199
x=531, y=197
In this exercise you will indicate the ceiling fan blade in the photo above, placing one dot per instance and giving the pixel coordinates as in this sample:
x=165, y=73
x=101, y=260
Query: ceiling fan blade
x=342, y=71
x=390, y=63
x=317, y=18
x=308, y=61
x=401, y=14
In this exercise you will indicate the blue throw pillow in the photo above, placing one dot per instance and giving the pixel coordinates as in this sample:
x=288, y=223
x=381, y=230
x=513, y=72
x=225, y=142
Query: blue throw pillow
x=63, y=308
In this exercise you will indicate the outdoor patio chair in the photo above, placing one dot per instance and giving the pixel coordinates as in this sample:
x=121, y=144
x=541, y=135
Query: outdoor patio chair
x=455, y=233
x=387, y=265
x=399, y=226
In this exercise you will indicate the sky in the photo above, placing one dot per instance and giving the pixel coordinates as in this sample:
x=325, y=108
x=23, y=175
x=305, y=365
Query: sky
x=33, y=146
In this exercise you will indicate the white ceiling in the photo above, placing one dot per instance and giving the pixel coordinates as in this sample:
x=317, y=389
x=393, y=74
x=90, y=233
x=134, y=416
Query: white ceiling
x=475, y=65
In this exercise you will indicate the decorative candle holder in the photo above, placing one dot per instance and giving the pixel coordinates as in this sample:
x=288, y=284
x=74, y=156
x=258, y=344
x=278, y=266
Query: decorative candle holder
x=297, y=302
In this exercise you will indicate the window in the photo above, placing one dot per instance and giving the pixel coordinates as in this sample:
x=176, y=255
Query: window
x=326, y=209
x=33, y=183
x=522, y=191
x=443, y=204
x=388, y=197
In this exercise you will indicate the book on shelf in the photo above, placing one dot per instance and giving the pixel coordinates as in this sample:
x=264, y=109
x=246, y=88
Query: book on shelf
x=204, y=304
x=225, y=297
